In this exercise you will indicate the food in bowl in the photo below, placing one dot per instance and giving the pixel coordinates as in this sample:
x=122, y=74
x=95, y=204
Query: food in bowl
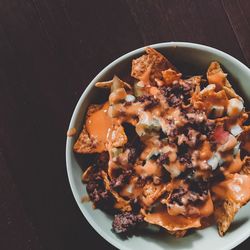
x=170, y=150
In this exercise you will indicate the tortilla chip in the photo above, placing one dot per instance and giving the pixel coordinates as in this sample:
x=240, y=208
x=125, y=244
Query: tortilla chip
x=85, y=144
x=172, y=223
x=209, y=99
x=246, y=166
x=109, y=84
x=121, y=204
x=153, y=63
x=215, y=75
x=224, y=214
x=230, y=92
x=178, y=233
x=87, y=173
x=119, y=137
x=245, y=139
x=151, y=193
x=227, y=199
x=170, y=75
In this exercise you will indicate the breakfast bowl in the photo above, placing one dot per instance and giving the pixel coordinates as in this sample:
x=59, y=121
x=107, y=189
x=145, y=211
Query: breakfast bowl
x=190, y=59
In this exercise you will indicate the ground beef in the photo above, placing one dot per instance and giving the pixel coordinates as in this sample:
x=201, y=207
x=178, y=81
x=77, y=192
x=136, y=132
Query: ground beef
x=102, y=160
x=217, y=176
x=176, y=196
x=134, y=144
x=208, y=128
x=185, y=159
x=182, y=139
x=141, y=182
x=188, y=174
x=189, y=136
x=193, y=137
x=196, y=117
x=163, y=159
x=150, y=101
x=205, y=127
x=174, y=100
x=194, y=195
x=132, y=155
x=171, y=130
x=126, y=222
x=98, y=194
x=122, y=179
x=198, y=186
x=178, y=93
x=182, y=149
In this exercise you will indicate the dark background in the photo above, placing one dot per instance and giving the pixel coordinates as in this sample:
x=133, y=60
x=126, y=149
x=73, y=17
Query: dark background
x=49, y=52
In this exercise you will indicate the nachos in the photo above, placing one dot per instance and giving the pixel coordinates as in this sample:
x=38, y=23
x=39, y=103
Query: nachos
x=170, y=151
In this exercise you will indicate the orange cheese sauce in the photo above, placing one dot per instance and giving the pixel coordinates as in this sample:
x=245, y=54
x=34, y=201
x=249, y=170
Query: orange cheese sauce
x=236, y=187
x=215, y=99
x=208, y=208
x=219, y=79
x=234, y=166
x=151, y=168
x=131, y=190
x=98, y=126
x=178, y=222
x=205, y=151
x=246, y=146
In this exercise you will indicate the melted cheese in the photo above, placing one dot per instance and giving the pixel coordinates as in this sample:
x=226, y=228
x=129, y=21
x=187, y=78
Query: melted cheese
x=234, y=166
x=205, y=151
x=98, y=126
x=172, y=223
x=208, y=207
x=151, y=168
x=236, y=187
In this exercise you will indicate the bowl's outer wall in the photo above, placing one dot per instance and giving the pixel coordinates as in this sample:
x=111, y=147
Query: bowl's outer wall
x=192, y=59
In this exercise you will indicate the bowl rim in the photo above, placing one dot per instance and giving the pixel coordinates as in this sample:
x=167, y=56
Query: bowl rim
x=85, y=93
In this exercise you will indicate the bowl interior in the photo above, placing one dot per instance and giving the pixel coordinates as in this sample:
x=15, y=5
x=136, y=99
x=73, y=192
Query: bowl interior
x=190, y=59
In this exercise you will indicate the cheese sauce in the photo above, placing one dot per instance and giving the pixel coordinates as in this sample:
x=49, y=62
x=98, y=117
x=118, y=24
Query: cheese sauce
x=179, y=222
x=236, y=187
x=98, y=126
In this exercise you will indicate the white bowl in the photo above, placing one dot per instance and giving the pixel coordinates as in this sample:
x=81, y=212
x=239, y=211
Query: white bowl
x=181, y=54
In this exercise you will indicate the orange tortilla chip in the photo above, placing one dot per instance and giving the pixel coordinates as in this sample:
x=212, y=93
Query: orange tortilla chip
x=118, y=136
x=109, y=84
x=178, y=233
x=150, y=65
x=246, y=166
x=245, y=139
x=171, y=223
x=230, y=194
x=151, y=193
x=224, y=214
x=215, y=75
x=85, y=144
x=209, y=99
x=170, y=75
x=121, y=204
x=86, y=174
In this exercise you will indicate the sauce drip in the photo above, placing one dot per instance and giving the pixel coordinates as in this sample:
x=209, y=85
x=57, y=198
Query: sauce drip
x=205, y=152
x=208, y=208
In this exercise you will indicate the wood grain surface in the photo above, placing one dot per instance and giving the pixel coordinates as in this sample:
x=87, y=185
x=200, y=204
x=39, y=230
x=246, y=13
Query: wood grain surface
x=49, y=52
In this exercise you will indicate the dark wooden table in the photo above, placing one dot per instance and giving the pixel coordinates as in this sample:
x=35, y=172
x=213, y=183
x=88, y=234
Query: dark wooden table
x=49, y=52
